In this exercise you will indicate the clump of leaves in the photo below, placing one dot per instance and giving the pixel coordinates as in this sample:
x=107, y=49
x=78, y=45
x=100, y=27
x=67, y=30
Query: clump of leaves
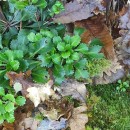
x=68, y=56
x=8, y=104
x=122, y=86
x=111, y=111
x=32, y=14
x=98, y=66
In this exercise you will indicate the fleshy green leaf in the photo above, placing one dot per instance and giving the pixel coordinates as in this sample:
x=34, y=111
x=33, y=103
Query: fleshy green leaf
x=83, y=48
x=93, y=55
x=81, y=64
x=56, y=58
x=3, y=57
x=96, y=41
x=23, y=65
x=45, y=59
x=2, y=91
x=14, y=64
x=61, y=46
x=58, y=73
x=80, y=73
x=69, y=70
x=69, y=61
x=67, y=39
x=20, y=4
x=1, y=119
x=57, y=39
x=9, y=107
x=18, y=54
x=38, y=37
x=78, y=31
x=65, y=55
x=20, y=100
x=2, y=109
x=10, y=55
x=9, y=117
x=68, y=47
x=29, y=13
x=41, y=4
x=95, y=48
x=57, y=7
x=40, y=75
x=9, y=97
x=75, y=40
x=34, y=1
x=75, y=56
x=31, y=37
x=46, y=33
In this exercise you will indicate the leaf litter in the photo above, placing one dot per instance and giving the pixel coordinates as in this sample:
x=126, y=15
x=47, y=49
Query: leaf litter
x=57, y=112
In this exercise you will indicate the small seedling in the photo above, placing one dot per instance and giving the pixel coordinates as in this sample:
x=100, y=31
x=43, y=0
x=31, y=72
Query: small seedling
x=122, y=86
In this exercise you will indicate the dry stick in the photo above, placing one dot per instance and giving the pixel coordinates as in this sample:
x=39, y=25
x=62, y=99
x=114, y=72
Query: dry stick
x=2, y=17
x=20, y=25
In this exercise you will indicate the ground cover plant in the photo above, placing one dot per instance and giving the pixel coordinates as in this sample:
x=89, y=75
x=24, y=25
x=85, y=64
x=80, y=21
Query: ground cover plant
x=50, y=50
x=108, y=108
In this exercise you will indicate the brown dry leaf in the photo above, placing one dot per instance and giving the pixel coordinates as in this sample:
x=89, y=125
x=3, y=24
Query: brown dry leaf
x=35, y=92
x=29, y=123
x=73, y=88
x=21, y=113
x=78, y=119
x=8, y=126
x=95, y=27
x=21, y=79
x=75, y=11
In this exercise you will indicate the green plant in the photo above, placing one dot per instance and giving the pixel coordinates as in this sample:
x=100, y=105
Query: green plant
x=96, y=67
x=66, y=55
x=122, y=86
x=112, y=111
x=44, y=47
x=8, y=104
x=33, y=14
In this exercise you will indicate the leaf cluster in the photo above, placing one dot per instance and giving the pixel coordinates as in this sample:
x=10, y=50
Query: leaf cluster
x=66, y=55
x=8, y=103
x=32, y=14
x=40, y=51
x=122, y=86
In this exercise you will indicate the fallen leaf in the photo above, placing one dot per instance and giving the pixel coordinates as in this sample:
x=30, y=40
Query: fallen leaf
x=75, y=10
x=51, y=115
x=35, y=92
x=8, y=126
x=95, y=28
x=21, y=79
x=73, y=88
x=125, y=19
x=21, y=113
x=52, y=124
x=17, y=87
x=30, y=123
x=41, y=92
x=78, y=119
x=34, y=95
